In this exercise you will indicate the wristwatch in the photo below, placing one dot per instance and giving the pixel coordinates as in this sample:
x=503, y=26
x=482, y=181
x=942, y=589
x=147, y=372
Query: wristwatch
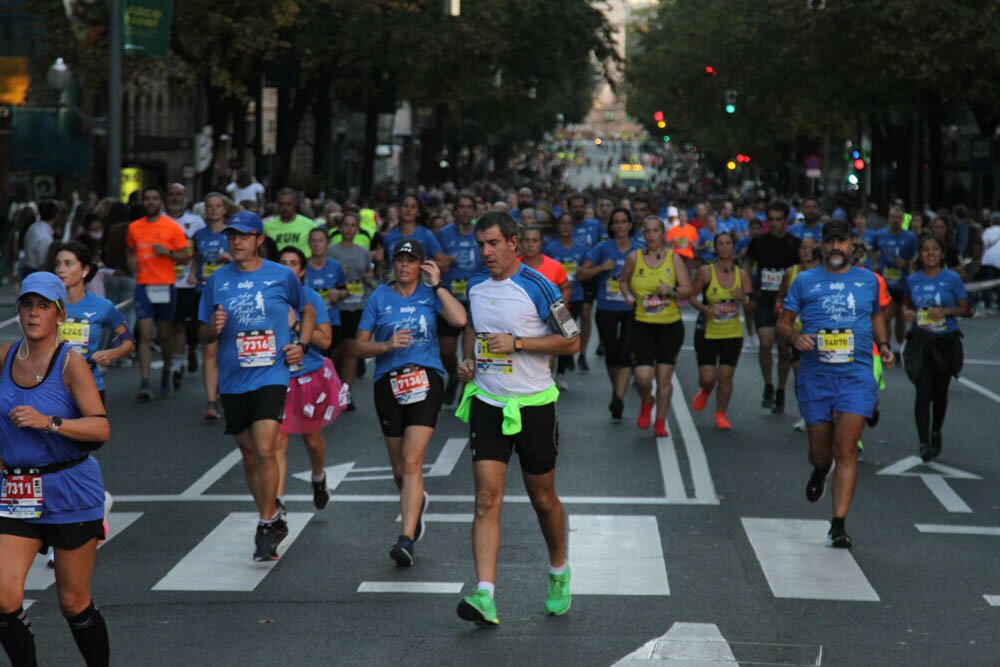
x=305, y=347
x=54, y=423
x=436, y=287
x=518, y=344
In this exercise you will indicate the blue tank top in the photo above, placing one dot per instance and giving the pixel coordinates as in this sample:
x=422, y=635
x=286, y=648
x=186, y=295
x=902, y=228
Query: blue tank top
x=70, y=495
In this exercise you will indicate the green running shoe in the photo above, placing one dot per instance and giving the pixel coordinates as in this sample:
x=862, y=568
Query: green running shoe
x=479, y=608
x=558, y=599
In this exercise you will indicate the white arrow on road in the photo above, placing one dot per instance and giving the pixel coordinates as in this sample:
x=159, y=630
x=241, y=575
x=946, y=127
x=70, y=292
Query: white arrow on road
x=935, y=481
x=689, y=644
x=334, y=474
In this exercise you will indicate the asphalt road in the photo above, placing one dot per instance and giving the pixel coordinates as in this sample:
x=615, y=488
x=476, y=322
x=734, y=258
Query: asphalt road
x=704, y=540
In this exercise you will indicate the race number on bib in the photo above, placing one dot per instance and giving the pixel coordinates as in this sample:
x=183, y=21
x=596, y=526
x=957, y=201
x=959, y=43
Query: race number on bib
x=458, y=288
x=158, y=293
x=75, y=332
x=654, y=303
x=613, y=290
x=726, y=310
x=409, y=385
x=21, y=497
x=770, y=279
x=570, y=269
x=835, y=346
x=924, y=321
x=892, y=273
x=492, y=363
x=257, y=348
x=209, y=268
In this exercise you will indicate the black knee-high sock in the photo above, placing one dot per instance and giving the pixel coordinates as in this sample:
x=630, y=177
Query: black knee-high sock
x=91, y=636
x=17, y=639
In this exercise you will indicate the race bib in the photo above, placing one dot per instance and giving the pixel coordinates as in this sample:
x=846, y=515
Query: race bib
x=21, y=497
x=835, y=346
x=892, y=273
x=325, y=294
x=924, y=321
x=75, y=332
x=570, y=269
x=179, y=270
x=209, y=268
x=492, y=363
x=726, y=310
x=770, y=279
x=613, y=291
x=654, y=303
x=681, y=242
x=355, y=291
x=256, y=349
x=409, y=385
x=458, y=288
x=158, y=293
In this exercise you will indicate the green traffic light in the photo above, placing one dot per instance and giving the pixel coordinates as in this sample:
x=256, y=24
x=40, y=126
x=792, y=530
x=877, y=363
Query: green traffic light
x=730, y=108
x=666, y=138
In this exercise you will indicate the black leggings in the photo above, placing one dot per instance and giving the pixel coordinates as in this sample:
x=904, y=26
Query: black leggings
x=932, y=388
x=613, y=327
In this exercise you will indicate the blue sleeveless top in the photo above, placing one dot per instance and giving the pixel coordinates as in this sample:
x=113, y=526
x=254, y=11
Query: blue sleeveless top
x=71, y=495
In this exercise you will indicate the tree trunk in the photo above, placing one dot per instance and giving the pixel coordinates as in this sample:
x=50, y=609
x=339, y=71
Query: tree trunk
x=293, y=103
x=321, y=134
x=935, y=149
x=370, y=143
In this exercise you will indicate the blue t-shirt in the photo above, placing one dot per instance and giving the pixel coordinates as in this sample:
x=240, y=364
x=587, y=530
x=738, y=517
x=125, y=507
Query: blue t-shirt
x=571, y=259
x=944, y=290
x=737, y=226
x=426, y=237
x=588, y=233
x=892, y=247
x=468, y=262
x=86, y=321
x=614, y=300
x=799, y=230
x=331, y=276
x=705, y=236
x=256, y=302
x=313, y=359
x=207, y=247
x=836, y=302
x=387, y=312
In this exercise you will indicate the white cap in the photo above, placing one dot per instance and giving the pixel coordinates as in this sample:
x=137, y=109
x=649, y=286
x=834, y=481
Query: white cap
x=672, y=212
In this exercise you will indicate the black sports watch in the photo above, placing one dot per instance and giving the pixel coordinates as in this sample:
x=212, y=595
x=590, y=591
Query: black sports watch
x=437, y=287
x=54, y=423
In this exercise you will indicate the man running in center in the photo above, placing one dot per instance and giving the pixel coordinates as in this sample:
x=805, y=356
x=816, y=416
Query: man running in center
x=509, y=401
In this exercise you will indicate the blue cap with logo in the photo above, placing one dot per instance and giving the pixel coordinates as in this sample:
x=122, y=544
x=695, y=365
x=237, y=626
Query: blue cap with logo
x=43, y=284
x=246, y=222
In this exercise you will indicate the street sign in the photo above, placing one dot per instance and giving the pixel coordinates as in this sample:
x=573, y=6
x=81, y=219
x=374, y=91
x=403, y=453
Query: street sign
x=813, y=161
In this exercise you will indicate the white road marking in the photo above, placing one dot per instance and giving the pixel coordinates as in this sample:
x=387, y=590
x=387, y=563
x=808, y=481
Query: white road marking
x=798, y=564
x=946, y=495
x=936, y=483
x=945, y=529
x=975, y=386
x=449, y=587
x=616, y=555
x=991, y=600
x=431, y=517
x=384, y=498
x=670, y=468
x=213, y=474
x=701, y=476
x=367, y=478
x=223, y=560
x=981, y=362
x=334, y=474
x=448, y=457
x=40, y=576
x=27, y=604
x=686, y=644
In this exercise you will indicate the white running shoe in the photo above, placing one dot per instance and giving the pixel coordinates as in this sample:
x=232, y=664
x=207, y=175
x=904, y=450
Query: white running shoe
x=800, y=425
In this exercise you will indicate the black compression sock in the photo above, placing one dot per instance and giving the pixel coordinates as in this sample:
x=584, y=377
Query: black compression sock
x=91, y=636
x=837, y=522
x=17, y=639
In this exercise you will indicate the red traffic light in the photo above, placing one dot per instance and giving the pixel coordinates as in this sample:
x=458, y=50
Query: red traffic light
x=743, y=158
x=709, y=70
x=658, y=116
x=859, y=164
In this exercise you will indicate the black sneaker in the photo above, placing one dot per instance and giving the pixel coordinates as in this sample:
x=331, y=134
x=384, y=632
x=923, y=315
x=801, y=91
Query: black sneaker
x=421, y=522
x=768, y=400
x=266, y=549
x=838, y=537
x=779, y=403
x=166, y=386
x=402, y=551
x=178, y=376
x=282, y=510
x=926, y=453
x=571, y=366
x=192, y=362
x=935, y=444
x=279, y=530
x=321, y=494
x=350, y=407
x=449, y=392
x=873, y=420
x=600, y=350
x=817, y=484
x=582, y=363
x=360, y=372
x=145, y=394
x=616, y=407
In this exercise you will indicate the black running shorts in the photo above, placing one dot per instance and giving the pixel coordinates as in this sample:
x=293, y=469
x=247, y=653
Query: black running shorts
x=537, y=444
x=395, y=418
x=66, y=536
x=650, y=344
x=242, y=410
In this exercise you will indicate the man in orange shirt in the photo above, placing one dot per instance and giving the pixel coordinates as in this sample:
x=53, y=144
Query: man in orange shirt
x=683, y=237
x=156, y=243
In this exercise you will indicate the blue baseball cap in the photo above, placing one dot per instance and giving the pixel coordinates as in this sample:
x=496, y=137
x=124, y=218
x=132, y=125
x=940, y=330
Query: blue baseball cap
x=43, y=284
x=246, y=222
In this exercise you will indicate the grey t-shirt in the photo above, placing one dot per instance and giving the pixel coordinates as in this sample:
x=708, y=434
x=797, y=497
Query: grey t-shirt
x=355, y=259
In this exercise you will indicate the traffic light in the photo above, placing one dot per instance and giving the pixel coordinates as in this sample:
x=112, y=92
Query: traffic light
x=709, y=70
x=731, y=101
x=731, y=165
x=658, y=116
x=661, y=124
x=666, y=138
x=743, y=159
x=859, y=164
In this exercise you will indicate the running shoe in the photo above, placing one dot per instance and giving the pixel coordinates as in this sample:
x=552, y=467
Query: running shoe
x=926, y=454
x=279, y=529
x=935, y=443
x=873, y=420
x=479, y=608
x=212, y=412
x=178, y=376
x=617, y=406
x=861, y=451
x=402, y=551
x=145, y=394
x=645, y=414
x=51, y=560
x=779, y=403
x=558, y=599
x=561, y=383
x=700, y=400
x=166, y=385
x=192, y=362
x=350, y=407
x=321, y=494
x=581, y=362
x=660, y=429
x=449, y=392
x=768, y=399
x=421, y=521
x=838, y=537
x=817, y=484
x=280, y=506
x=600, y=350
x=266, y=549
x=800, y=425
x=721, y=422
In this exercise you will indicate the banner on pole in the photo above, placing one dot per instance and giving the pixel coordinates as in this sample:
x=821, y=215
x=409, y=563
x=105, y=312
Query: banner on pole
x=146, y=26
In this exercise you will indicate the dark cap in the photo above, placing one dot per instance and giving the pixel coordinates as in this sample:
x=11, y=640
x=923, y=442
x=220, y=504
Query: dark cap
x=410, y=247
x=837, y=229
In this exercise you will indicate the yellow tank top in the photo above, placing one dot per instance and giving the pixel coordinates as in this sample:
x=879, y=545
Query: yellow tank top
x=793, y=273
x=725, y=323
x=649, y=305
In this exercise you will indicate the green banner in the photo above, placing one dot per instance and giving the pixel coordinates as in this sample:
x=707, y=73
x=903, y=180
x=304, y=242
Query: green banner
x=147, y=27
